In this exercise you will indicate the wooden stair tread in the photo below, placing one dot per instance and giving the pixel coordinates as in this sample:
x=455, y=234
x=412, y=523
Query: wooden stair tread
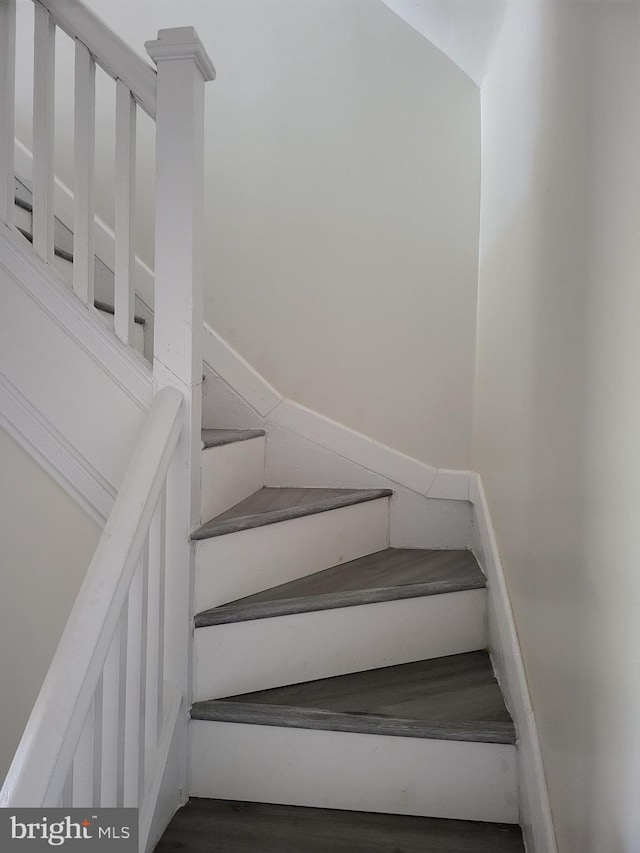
x=449, y=698
x=239, y=827
x=67, y=256
x=271, y=505
x=384, y=576
x=218, y=437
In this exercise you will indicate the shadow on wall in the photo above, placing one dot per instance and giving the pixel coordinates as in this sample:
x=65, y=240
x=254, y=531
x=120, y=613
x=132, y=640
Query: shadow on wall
x=464, y=30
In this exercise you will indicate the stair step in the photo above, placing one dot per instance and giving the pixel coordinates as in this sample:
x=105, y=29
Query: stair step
x=67, y=256
x=450, y=698
x=241, y=827
x=388, y=575
x=272, y=505
x=109, y=309
x=218, y=437
x=61, y=253
x=232, y=468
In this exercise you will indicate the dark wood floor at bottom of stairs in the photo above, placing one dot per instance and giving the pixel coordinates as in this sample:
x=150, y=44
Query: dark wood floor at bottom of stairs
x=221, y=826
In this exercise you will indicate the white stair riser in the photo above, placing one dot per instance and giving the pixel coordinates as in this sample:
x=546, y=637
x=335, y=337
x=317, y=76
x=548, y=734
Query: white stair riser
x=344, y=770
x=244, y=656
x=238, y=564
x=230, y=473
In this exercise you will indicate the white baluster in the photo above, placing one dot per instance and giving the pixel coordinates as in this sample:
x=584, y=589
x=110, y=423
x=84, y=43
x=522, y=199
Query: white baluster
x=110, y=726
x=124, y=299
x=122, y=704
x=7, y=107
x=83, y=764
x=132, y=692
x=66, y=801
x=155, y=627
x=142, y=687
x=83, y=181
x=43, y=125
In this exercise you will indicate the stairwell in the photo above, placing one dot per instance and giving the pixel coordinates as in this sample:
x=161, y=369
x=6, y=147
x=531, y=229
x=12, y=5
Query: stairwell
x=342, y=694
x=332, y=671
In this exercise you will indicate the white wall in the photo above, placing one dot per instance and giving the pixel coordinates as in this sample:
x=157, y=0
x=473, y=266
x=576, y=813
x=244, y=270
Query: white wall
x=557, y=413
x=464, y=30
x=342, y=207
x=47, y=544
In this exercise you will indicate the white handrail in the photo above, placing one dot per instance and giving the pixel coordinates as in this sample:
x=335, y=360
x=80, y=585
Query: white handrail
x=111, y=53
x=41, y=765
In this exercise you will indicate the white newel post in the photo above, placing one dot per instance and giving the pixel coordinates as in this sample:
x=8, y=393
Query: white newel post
x=183, y=68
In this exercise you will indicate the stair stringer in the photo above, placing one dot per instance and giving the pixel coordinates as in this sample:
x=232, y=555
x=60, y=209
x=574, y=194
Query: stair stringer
x=430, y=507
x=71, y=394
x=536, y=818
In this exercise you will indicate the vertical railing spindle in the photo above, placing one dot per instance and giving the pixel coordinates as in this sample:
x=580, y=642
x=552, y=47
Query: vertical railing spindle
x=122, y=703
x=83, y=763
x=110, y=726
x=124, y=296
x=84, y=157
x=7, y=107
x=43, y=127
x=142, y=688
x=66, y=801
x=132, y=702
x=154, y=649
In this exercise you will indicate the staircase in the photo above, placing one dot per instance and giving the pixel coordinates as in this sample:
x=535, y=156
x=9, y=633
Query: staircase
x=334, y=672
x=328, y=687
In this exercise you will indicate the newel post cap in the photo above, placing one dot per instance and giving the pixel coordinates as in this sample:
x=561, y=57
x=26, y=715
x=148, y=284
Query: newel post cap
x=181, y=43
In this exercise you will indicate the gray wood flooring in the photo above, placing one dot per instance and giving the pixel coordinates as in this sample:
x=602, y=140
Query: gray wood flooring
x=384, y=576
x=449, y=698
x=269, y=505
x=218, y=437
x=219, y=826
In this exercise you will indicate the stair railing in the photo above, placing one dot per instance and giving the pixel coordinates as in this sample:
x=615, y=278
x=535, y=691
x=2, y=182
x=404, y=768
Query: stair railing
x=106, y=705
x=81, y=745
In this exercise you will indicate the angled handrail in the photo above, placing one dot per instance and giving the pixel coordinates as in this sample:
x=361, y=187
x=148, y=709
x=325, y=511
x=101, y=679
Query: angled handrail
x=111, y=53
x=44, y=757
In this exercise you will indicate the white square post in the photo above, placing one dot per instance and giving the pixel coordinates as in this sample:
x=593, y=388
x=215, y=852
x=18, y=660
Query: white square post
x=183, y=68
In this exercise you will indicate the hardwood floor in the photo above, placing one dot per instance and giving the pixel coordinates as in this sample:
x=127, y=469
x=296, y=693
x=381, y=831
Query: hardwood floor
x=220, y=826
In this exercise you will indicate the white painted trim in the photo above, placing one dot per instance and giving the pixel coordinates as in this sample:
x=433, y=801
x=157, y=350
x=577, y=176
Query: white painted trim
x=238, y=373
x=354, y=446
x=35, y=434
x=536, y=817
x=82, y=324
x=341, y=440
x=63, y=204
x=112, y=53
